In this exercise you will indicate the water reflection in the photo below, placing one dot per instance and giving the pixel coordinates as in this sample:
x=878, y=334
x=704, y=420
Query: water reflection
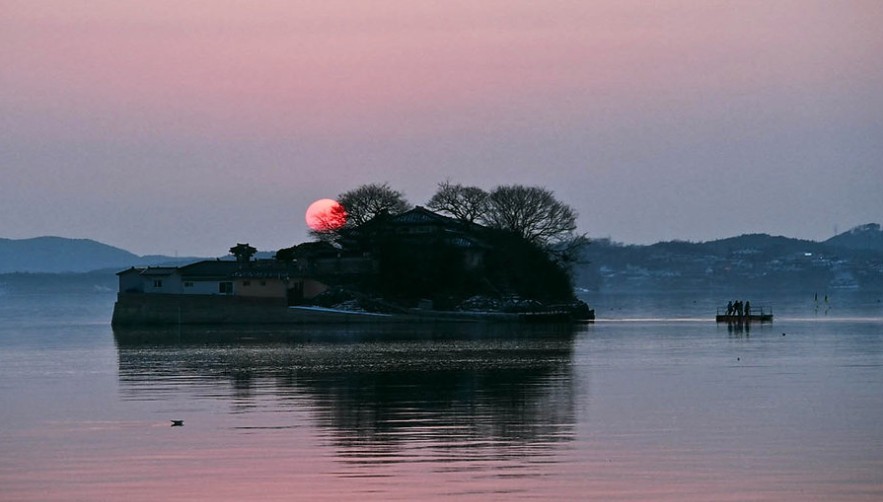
x=738, y=329
x=380, y=394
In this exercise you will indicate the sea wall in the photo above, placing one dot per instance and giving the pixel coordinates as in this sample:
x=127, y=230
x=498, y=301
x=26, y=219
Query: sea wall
x=138, y=309
x=134, y=309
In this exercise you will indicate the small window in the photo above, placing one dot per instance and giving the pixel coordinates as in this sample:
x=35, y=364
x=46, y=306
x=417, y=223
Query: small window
x=246, y=283
x=188, y=284
x=225, y=288
x=263, y=283
x=157, y=283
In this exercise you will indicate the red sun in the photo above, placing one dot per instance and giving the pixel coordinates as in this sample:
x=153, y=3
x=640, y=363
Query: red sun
x=325, y=215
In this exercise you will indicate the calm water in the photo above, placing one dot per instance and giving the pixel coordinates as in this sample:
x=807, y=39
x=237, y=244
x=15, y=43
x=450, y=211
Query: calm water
x=654, y=402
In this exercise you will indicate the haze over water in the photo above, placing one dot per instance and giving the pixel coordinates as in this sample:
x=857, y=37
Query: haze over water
x=652, y=402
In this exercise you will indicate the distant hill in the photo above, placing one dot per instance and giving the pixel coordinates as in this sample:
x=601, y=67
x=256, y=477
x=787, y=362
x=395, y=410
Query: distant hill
x=59, y=254
x=852, y=260
x=868, y=236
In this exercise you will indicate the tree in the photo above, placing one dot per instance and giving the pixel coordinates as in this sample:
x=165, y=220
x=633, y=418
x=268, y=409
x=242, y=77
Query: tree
x=326, y=224
x=368, y=201
x=243, y=252
x=531, y=212
x=465, y=203
x=305, y=250
x=526, y=268
x=286, y=255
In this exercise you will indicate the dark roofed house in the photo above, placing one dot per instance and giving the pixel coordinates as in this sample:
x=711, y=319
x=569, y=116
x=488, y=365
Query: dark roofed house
x=421, y=229
x=418, y=220
x=420, y=254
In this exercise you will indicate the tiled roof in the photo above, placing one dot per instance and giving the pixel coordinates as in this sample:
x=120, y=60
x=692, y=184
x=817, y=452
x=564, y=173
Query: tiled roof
x=420, y=215
x=416, y=217
x=158, y=271
x=264, y=269
x=209, y=268
x=228, y=269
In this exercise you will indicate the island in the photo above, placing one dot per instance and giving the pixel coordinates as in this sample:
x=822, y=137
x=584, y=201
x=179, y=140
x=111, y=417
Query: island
x=416, y=265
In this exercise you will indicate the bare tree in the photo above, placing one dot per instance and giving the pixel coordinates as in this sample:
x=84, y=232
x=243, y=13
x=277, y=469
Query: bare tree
x=531, y=212
x=462, y=202
x=330, y=218
x=368, y=201
x=326, y=224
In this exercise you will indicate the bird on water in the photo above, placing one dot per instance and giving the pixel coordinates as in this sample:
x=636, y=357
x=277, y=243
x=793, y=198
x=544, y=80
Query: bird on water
x=177, y=423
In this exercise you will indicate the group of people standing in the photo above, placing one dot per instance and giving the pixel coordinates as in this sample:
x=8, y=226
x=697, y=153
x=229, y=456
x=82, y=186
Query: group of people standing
x=738, y=309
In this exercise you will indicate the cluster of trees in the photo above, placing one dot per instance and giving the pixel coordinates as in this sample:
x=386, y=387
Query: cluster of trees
x=530, y=238
x=532, y=213
x=531, y=234
x=519, y=242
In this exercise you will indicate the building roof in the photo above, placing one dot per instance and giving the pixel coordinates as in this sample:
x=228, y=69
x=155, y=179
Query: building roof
x=422, y=216
x=261, y=269
x=217, y=270
x=416, y=217
x=209, y=269
x=131, y=270
x=158, y=271
x=421, y=225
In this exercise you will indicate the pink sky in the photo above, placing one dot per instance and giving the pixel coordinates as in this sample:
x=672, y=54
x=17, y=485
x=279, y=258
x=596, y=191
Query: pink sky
x=216, y=122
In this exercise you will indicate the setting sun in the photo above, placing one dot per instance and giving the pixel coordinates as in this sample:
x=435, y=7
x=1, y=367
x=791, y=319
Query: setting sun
x=325, y=214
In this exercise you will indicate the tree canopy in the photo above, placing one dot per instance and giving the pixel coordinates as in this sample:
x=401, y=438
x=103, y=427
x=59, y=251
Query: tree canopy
x=521, y=243
x=368, y=201
x=532, y=213
x=465, y=203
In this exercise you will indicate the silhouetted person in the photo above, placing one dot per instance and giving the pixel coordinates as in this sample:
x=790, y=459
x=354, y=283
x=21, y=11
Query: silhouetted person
x=730, y=308
x=739, y=308
x=747, y=309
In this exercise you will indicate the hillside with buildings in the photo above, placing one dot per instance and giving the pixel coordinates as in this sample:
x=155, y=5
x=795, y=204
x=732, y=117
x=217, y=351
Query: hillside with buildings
x=852, y=260
x=849, y=261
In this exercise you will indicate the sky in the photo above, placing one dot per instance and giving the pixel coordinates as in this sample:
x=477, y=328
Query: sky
x=170, y=127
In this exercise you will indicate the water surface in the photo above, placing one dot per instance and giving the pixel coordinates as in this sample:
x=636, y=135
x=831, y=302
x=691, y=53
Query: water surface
x=652, y=402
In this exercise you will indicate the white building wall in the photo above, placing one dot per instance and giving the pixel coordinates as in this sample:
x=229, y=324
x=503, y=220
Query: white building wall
x=171, y=284
x=201, y=287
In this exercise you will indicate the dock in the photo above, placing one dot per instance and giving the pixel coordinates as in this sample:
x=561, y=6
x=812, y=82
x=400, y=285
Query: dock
x=758, y=314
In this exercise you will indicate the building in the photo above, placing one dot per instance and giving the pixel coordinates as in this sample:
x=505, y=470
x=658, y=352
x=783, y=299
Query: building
x=255, y=279
x=423, y=233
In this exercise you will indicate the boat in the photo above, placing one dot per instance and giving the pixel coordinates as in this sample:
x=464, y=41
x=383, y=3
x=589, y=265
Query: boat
x=758, y=314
